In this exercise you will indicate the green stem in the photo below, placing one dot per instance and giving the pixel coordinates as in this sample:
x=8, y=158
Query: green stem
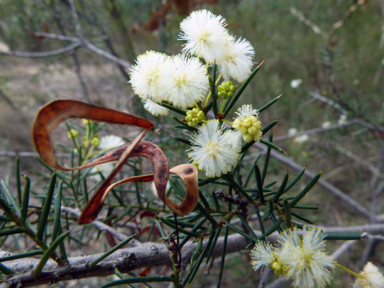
x=222, y=106
x=206, y=101
x=226, y=121
x=349, y=271
x=218, y=79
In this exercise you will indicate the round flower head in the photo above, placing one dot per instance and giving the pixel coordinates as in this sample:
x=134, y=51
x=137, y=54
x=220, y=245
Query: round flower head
x=154, y=108
x=205, y=34
x=262, y=255
x=146, y=72
x=304, y=260
x=245, y=111
x=373, y=278
x=236, y=60
x=184, y=81
x=211, y=151
x=110, y=142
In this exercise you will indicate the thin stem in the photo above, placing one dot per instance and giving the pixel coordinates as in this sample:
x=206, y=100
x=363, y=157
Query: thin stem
x=349, y=271
x=218, y=78
x=206, y=101
x=222, y=106
x=226, y=121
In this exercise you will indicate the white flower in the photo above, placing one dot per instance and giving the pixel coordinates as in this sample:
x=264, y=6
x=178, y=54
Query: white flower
x=184, y=81
x=292, y=131
x=104, y=169
x=145, y=74
x=236, y=60
x=342, y=120
x=302, y=138
x=233, y=138
x=110, y=142
x=305, y=260
x=211, y=152
x=154, y=108
x=326, y=124
x=262, y=255
x=295, y=83
x=205, y=34
x=245, y=111
x=373, y=278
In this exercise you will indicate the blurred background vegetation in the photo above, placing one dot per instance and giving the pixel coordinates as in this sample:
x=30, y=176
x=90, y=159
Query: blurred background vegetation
x=334, y=51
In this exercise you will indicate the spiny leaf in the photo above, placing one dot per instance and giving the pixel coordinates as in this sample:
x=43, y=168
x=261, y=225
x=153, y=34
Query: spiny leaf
x=56, y=219
x=25, y=203
x=47, y=207
x=48, y=253
x=305, y=190
x=18, y=184
x=242, y=88
x=106, y=254
x=10, y=199
x=281, y=190
x=138, y=280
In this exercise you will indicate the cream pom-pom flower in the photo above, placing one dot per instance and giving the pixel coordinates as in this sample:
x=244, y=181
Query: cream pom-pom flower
x=145, y=74
x=372, y=277
x=110, y=142
x=154, y=108
x=311, y=266
x=211, y=151
x=205, y=34
x=184, y=81
x=236, y=61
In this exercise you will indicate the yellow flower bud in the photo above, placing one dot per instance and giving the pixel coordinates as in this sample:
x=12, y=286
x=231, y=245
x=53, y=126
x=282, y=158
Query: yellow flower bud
x=73, y=134
x=95, y=142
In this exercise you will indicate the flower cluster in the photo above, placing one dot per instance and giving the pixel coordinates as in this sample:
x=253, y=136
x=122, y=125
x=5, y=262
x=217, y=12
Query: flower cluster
x=226, y=89
x=194, y=116
x=247, y=124
x=208, y=38
x=301, y=259
x=181, y=82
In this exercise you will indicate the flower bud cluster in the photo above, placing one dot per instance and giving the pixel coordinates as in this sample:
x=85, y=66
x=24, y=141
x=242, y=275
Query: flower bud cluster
x=95, y=141
x=250, y=127
x=226, y=89
x=194, y=116
x=73, y=133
